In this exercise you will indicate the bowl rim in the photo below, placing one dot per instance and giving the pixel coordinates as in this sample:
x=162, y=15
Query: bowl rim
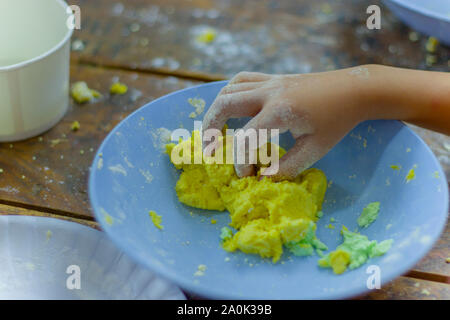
x=208, y=292
x=47, y=53
x=421, y=10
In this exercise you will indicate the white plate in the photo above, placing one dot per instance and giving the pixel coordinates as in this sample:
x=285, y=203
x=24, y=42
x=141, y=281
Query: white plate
x=36, y=252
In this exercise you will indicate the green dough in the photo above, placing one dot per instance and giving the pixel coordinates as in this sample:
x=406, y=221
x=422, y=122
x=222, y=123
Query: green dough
x=226, y=233
x=369, y=214
x=306, y=246
x=354, y=251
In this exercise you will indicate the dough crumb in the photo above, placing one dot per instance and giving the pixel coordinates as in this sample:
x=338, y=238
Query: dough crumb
x=355, y=250
x=425, y=292
x=108, y=218
x=55, y=142
x=198, y=104
x=411, y=175
x=432, y=44
x=207, y=36
x=48, y=235
x=118, y=88
x=75, y=126
x=369, y=214
x=156, y=219
x=82, y=94
x=200, y=270
x=100, y=164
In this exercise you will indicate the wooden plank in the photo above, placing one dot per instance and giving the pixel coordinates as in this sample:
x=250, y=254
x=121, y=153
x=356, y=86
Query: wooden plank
x=405, y=288
x=51, y=171
x=11, y=210
x=434, y=266
x=293, y=36
x=402, y=288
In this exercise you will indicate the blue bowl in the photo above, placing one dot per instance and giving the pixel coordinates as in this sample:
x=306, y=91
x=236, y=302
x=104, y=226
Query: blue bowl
x=431, y=17
x=130, y=175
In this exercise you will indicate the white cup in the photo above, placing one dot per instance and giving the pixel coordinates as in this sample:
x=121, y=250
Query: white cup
x=34, y=66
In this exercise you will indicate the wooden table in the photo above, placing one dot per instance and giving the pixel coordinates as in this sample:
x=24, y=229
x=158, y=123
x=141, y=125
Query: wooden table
x=151, y=46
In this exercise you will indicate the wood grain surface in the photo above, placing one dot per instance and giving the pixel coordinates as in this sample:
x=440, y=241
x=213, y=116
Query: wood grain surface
x=51, y=171
x=265, y=35
x=405, y=288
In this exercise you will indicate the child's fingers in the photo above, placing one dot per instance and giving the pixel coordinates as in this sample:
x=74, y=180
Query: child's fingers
x=262, y=120
x=305, y=152
x=240, y=87
x=241, y=104
x=246, y=76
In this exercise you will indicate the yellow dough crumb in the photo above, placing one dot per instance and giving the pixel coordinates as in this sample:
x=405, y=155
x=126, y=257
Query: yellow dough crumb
x=411, y=175
x=156, y=219
x=75, y=126
x=81, y=92
x=118, y=88
x=200, y=270
x=266, y=214
x=108, y=219
x=48, y=235
x=432, y=44
x=207, y=36
x=339, y=260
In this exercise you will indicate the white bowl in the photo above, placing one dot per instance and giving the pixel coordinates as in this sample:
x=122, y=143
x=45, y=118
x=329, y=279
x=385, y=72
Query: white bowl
x=39, y=257
x=34, y=66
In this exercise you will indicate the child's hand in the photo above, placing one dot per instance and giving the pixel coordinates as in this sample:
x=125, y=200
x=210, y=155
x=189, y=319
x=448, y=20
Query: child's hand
x=320, y=109
x=315, y=108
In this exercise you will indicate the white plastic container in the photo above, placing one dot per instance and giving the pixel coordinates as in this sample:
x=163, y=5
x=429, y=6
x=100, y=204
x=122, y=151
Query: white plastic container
x=34, y=66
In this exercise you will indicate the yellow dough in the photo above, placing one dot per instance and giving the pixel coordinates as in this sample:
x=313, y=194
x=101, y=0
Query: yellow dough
x=266, y=214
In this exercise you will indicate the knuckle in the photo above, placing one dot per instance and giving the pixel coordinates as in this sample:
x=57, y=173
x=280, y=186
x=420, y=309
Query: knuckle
x=241, y=76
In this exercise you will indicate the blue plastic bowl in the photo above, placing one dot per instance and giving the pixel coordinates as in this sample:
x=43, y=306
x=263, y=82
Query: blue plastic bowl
x=431, y=17
x=130, y=176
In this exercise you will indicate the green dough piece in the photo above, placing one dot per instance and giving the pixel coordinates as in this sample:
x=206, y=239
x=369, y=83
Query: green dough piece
x=226, y=233
x=306, y=246
x=369, y=214
x=360, y=249
x=300, y=249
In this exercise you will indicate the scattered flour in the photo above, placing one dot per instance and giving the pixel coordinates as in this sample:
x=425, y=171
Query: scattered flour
x=147, y=175
x=200, y=270
x=118, y=169
x=161, y=137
